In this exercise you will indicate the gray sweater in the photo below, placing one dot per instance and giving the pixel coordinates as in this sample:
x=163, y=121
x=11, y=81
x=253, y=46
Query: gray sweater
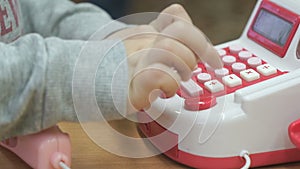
x=41, y=41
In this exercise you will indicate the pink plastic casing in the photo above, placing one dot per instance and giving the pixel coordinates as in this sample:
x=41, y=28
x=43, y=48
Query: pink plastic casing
x=42, y=150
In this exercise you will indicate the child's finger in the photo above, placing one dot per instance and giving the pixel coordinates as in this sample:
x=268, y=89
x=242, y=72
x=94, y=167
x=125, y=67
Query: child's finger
x=153, y=77
x=169, y=15
x=133, y=32
x=173, y=54
x=179, y=50
x=193, y=38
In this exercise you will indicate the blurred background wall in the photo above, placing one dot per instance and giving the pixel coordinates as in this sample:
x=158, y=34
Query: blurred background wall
x=220, y=20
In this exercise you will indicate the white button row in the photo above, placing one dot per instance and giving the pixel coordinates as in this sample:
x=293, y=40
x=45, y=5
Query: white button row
x=232, y=80
x=253, y=62
x=249, y=75
x=215, y=86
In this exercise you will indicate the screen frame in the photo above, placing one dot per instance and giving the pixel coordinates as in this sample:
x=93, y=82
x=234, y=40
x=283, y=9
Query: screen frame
x=281, y=12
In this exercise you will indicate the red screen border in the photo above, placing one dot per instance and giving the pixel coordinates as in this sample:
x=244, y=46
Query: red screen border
x=283, y=13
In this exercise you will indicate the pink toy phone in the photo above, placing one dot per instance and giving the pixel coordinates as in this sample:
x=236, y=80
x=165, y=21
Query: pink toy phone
x=245, y=114
x=49, y=149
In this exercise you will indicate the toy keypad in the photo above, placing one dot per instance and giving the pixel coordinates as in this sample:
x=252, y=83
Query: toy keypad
x=241, y=69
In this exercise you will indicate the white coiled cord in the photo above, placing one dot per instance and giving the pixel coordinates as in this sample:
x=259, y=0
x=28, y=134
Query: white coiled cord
x=63, y=165
x=245, y=155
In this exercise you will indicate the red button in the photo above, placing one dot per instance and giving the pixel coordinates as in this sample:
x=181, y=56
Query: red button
x=202, y=103
x=294, y=133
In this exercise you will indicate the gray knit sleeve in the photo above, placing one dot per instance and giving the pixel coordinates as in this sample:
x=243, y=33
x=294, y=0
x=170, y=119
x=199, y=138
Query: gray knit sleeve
x=37, y=75
x=65, y=19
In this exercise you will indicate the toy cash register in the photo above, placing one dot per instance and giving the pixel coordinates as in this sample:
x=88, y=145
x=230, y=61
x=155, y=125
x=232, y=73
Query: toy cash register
x=245, y=114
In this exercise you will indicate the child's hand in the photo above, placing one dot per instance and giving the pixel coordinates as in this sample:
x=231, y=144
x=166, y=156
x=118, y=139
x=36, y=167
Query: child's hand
x=162, y=54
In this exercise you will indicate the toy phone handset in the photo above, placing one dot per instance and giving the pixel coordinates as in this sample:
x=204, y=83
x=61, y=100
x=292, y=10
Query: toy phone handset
x=48, y=149
x=238, y=116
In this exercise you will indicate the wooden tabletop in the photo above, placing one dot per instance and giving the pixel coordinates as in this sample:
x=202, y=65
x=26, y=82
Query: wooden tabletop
x=87, y=155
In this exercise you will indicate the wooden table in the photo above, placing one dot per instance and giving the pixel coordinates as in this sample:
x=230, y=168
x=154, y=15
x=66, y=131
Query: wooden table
x=87, y=155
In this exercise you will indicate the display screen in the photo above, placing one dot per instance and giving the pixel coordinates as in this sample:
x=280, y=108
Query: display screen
x=272, y=27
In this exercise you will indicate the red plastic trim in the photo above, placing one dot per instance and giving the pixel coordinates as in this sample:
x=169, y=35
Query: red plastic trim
x=257, y=160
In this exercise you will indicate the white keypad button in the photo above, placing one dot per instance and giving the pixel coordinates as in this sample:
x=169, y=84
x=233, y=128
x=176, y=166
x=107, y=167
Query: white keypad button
x=191, y=88
x=249, y=75
x=228, y=60
x=214, y=86
x=232, y=80
x=196, y=71
x=266, y=69
x=245, y=55
x=203, y=77
x=254, y=62
x=235, y=48
x=221, y=72
x=238, y=66
x=222, y=52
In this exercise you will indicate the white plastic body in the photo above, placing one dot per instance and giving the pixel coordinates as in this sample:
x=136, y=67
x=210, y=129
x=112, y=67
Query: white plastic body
x=255, y=118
